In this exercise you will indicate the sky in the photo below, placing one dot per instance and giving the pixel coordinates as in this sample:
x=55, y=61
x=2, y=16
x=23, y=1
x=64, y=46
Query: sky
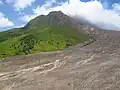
x=103, y=13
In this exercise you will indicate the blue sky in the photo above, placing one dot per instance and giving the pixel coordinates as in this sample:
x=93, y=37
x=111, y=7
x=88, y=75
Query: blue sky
x=16, y=13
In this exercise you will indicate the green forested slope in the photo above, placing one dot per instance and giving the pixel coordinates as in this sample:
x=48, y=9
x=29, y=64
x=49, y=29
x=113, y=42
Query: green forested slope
x=44, y=33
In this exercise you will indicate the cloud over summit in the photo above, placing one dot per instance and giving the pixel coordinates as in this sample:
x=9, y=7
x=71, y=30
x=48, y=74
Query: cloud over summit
x=103, y=13
x=92, y=11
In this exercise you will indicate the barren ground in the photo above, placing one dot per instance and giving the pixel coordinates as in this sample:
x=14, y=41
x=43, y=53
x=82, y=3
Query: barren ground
x=93, y=67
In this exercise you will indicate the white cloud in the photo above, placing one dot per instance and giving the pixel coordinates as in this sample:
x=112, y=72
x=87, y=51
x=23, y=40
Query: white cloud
x=117, y=8
x=27, y=18
x=49, y=3
x=1, y=2
x=18, y=26
x=92, y=11
x=20, y=4
x=5, y=22
x=45, y=9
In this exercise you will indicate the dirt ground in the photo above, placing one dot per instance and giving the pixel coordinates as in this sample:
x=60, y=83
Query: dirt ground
x=75, y=68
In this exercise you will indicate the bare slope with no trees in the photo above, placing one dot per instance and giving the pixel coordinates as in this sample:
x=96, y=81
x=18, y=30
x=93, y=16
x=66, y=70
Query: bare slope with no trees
x=95, y=66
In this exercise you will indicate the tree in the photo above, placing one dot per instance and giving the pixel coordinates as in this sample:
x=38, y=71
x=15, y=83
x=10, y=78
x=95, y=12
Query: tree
x=28, y=43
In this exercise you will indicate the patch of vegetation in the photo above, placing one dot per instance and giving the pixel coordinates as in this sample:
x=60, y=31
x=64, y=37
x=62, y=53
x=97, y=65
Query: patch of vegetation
x=10, y=34
x=33, y=38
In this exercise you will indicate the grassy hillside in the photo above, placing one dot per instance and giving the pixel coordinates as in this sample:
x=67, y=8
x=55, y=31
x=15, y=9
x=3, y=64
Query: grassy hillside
x=39, y=38
x=10, y=34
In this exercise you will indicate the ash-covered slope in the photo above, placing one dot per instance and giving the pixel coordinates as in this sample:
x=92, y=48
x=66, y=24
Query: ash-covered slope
x=105, y=40
x=92, y=67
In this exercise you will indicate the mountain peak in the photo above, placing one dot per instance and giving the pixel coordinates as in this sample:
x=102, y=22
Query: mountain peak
x=54, y=18
x=55, y=13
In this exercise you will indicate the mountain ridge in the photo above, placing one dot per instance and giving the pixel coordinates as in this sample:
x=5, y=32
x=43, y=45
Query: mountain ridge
x=54, y=31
